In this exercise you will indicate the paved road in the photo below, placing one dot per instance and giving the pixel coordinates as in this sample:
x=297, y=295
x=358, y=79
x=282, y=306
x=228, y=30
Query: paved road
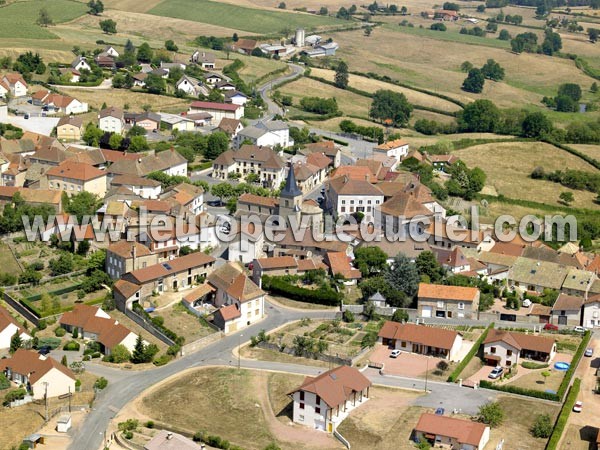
x=265, y=88
x=106, y=84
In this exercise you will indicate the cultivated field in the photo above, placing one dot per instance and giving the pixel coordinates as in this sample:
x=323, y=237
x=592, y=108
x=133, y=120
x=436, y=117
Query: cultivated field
x=369, y=85
x=245, y=19
x=121, y=97
x=593, y=151
x=508, y=166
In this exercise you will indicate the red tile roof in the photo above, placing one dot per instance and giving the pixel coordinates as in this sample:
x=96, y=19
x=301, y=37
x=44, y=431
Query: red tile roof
x=32, y=364
x=173, y=266
x=464, y=431
x=229, y=312
x=421, y=334
x=76, y=171
x=521, y=341
x=214, y=106
x=443, y=292
x=339, y=263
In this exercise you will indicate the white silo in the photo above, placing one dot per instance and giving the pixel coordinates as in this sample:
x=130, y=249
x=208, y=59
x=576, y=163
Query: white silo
x=300, y=37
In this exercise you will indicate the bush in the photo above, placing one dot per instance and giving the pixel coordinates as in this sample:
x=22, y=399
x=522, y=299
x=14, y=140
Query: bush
x=4, y=382
x=128, y=435
x=348, y=316
x=542, y=427
x=518, y=390
x=323, y=296
x=563, y=416
x=532, y=365
x=49, y=341
x=491, y=414
x=150, y=424
x=60, y=332
x=15, y=394
x=319, y=105
x=128, y=425
x=71, y=346
x=101, y=383
x=467, y=359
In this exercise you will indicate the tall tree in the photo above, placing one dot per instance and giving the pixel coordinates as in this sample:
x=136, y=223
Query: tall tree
x=341, y=75
x=390, y=105
x=139, y=351
x=144, y=53
x=44, y=18
x=474, y=81
x=15, y=342
x=370, y=260
x=109, y=26
x=536, y=125
x=217, y=143
x=403, y=276
x=480, y=116
x=428, y=266
x=492, y=70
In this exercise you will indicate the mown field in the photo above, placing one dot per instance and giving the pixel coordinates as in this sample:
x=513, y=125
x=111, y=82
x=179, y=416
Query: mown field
x=17, y=20
x=508, y=167
x=245, y=19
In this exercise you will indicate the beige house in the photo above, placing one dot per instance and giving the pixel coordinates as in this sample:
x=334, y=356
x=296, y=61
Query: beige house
x=567, y=310
x=323, y=402
x=421, y=339
x=42, y=375
x=124, y=256
x=451, y=302
x=450, y=432
x=504, y=348
x=73, y=177
x=69, y=128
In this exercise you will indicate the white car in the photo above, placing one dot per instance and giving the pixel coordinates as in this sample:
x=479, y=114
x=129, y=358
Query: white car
x=578, y=406
x=579, y=329
x=395, y=353
x=496, y=372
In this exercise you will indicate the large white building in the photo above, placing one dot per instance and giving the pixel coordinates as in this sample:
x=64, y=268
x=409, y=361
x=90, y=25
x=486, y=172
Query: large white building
x=251, y=159
x=269, y=134
x=591, y=312
x=218, y=110
x=323, y=402
x=111, y=120
x=346, y=196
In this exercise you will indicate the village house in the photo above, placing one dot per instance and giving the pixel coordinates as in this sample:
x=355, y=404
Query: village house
x=206, y=60
x=268, y=134
x=69, y=128
x=111, y=120
x=446, y=15
x=250, y=159
x=567, y=310
x=93, y=324
x=34, y=197
x=535, y=275
x=230, y=126
x=276, y=266
x=504, y=348
x=9, y=327
x=144, y=187
x=403, y=215
x=105, y=61
x=451, y=302
x=397, y=149
x=80, y=64
x=73, y=177
x=148, y=120
x=590, y=314
x=217, y=110
x=175, y=274
x=57, y=103
x=236, y=97
x=177, y=122
x=345, y=197
x=226, y=86
x=16, y=84
x=124, y=256
x=578, y=282
x=244, y=46
x=189, y=196
x=451, y=432
x=72, y=75
x=168, y=162
x=421, y=339
x=324, y=401
x=41, y=375
x=340, y=265
x=328, y=148
x=191, y=86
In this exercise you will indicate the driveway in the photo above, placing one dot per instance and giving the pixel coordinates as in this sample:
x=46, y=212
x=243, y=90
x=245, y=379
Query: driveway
x=481, y=374
x=405, y=365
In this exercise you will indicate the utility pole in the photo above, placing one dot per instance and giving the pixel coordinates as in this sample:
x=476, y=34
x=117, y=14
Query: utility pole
x=46, y=399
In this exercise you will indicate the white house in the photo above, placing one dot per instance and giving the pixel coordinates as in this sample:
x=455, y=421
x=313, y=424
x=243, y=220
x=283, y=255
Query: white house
x=323, y=402
x=112, y=120
x=8, y=327
x=66, y=105
x=205, y=59
x=218, y=110
x=591, y=312
x=262, y=161
x=16, y=84
x=110, y=51
x=397, y=149
x=43, y=376
x=236, y=97
x=422, y=339
x=346, y=196
x=504, y=348
x=268, y=134
x=80, y=64
x=144, y=187
x=191, y=86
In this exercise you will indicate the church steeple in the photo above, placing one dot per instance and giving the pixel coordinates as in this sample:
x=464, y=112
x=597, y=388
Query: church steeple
x=291, y=189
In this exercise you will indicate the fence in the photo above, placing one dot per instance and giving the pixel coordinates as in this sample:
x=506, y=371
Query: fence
x=337, y=360
x=381, y=310
x=201, y=343
x=148, y=326
x=21, y=309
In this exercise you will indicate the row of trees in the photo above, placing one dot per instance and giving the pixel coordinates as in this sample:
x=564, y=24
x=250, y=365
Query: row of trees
x=476, y=77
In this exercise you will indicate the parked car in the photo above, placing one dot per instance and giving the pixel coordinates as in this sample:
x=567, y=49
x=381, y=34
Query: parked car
x=589, y=352
x=395, y=353
x=26, y=116
x=578, y=406
x=44, y=350
x=496, y=372
x=440, y=411
x=550, y=327
x=579, y=329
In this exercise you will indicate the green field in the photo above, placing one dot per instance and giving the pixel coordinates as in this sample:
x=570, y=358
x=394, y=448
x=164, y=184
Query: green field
x=17, y=20
x=240, y=18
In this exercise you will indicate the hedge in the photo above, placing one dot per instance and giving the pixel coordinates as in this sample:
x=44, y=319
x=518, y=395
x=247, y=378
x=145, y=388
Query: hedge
x=320, y=296
x=518, y=390
x=563, y=416
x=467, y=359
x=571, y=150
x=564, y=385
x=65, y=290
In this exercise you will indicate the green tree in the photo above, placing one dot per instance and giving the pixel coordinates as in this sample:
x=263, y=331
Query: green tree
x=15, y=342
x=92, y=135
x=492, y=70
x=138, y=144
x=155, y=84
x=138, y=355
x=390, y=105
x=281, y=5
x=542, y=426
x=428, y=265
x=491, y=413
x=144, y=53
x=115, y=141
x=593, y=34
x=222, y=190
x=95, y=7
x=119, y=354
x=217, y=143
x=61, y=265
x=466, y=66
x=370, y=260
x=504, y=35
x=171, y=46
x=400, y=316
x=109, y=26
x=536, y=125
x=474, y=81
x=83, y=203
x=44, y=18
x=545, y=374
x=564, y=103
x=594, y=87
x=570, y=90
x=341, y=75
x=403, y=276
x=64, y=361
x=479, y=116
x=566, y=197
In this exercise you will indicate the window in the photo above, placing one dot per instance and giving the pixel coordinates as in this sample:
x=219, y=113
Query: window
x=492, y=350
x=508, y=352
x=301, y=405
x=301, y=418
x=318, y=410
x=461, y=305
x=352, y=202
x=301, y=395
x=508, y=363
x=318, y=400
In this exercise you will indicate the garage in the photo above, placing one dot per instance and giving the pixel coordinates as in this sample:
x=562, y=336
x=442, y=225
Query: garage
x=426, y=311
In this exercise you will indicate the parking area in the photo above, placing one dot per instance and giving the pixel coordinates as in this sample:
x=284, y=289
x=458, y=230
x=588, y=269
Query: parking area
x=481, y=374
x=406, y=364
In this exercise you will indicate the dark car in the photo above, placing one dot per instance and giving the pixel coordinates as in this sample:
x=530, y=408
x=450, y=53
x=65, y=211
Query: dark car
x=550, y=327
x=440, y=411
x=44, y=350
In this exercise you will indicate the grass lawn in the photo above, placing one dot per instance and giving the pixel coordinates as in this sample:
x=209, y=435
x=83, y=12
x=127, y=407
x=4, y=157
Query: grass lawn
x=7, y=261
x=255, y=68
x=279, y=384
x=262, y=354
x=299, y=305
x=220, y=401
x=535, y=380
x=17, y=20
x=135, y=100
x=508, y=166
x=182, y=322
x=240, y=18
x=348, y=102
x=593, y=151
x=519, y=416
x=384, y=422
